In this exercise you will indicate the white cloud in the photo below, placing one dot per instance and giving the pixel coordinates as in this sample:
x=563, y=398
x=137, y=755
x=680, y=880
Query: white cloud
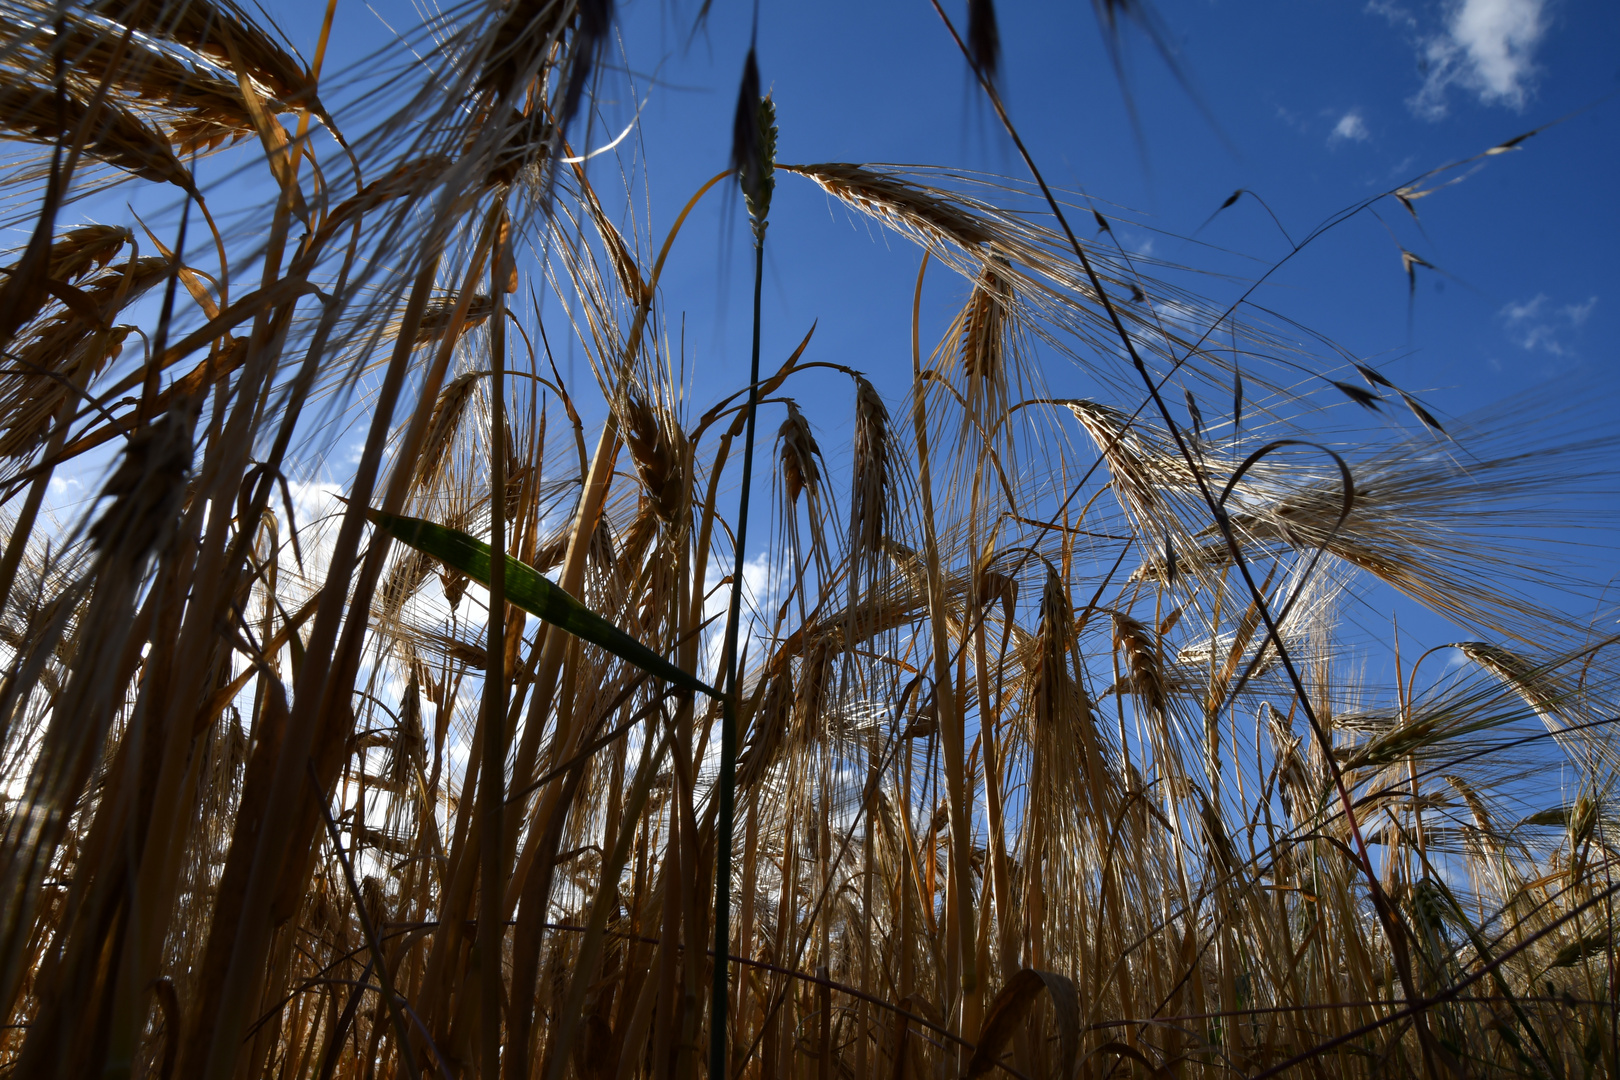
x=1352, y=127
x=314, y=499
x=1487, y=47
x=1528, y=310
x=1397, y=15
x=1537, y=329
x=1577, y=313
x=763, y=582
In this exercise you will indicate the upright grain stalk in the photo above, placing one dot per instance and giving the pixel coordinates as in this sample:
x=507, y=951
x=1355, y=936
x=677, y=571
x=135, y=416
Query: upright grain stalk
x=492, y=772
x=1394, y=928
x=961, y=943
x=754, y=155
x=196, y=688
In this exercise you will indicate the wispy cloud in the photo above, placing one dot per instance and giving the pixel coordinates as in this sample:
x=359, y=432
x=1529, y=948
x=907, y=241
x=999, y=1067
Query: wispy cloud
x=1398, y=15
x=763, y=582
x=1578, y=313
x=1352, y=127
x=1538, y=327
x=1487, y=48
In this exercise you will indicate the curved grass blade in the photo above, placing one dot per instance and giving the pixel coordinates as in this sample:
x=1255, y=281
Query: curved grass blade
x=527, y=589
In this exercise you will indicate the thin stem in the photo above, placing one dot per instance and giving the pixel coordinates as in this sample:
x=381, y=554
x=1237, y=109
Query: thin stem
x=373, y=942
x=1381, y=905
x=727, y=784
x=492, y=772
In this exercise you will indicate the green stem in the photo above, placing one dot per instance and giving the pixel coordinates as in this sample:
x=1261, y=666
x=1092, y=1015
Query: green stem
x=492, y=771
x=728, y=725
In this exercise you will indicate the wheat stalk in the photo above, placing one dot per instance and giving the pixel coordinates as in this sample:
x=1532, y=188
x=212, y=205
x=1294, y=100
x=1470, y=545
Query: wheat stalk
x=286, y=796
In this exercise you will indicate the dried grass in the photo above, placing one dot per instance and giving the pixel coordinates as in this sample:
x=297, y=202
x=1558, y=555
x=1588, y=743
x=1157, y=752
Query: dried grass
x=261, y=769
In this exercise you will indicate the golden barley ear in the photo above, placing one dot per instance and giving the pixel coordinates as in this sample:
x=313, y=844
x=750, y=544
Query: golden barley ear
x=117, y=136
x=929, y=786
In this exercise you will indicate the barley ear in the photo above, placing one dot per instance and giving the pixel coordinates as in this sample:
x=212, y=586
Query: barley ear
x=753, y=147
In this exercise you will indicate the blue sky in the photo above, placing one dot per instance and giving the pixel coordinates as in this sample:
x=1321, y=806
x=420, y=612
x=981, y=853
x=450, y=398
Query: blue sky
x=1315, y=106
x=1311, y=105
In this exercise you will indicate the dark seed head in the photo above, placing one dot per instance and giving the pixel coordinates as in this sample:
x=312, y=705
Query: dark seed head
x=595, y=17
x=745, y=126
x=753, y=146
x=983, y=39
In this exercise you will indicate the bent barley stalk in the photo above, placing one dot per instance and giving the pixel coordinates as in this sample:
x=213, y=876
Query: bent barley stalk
x=283, y=795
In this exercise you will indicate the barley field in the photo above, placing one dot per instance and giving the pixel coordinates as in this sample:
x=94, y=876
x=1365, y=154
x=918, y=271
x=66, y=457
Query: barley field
x=1045, y=748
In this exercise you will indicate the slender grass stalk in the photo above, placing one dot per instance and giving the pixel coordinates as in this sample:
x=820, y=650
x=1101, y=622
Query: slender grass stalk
x=756, y=158
x=254, y=744
x=374, y=945
x=1393, y=927
x=962, y=934
x=492, y=773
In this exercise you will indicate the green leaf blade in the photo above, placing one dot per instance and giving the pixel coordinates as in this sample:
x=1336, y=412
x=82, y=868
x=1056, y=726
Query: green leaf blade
x=528, y=589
